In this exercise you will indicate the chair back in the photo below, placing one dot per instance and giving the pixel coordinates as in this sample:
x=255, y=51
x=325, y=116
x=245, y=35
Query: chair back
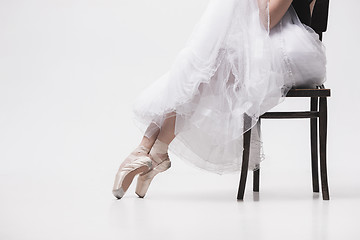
x=319, y=17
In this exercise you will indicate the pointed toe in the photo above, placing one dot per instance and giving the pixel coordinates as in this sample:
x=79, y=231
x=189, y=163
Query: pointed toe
x=118, y=193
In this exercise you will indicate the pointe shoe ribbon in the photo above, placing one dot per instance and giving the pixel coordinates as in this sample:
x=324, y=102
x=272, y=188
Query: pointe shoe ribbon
x=132, y=165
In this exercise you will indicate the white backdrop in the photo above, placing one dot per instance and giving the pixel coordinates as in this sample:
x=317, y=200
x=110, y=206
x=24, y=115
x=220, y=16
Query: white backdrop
x=69, y=70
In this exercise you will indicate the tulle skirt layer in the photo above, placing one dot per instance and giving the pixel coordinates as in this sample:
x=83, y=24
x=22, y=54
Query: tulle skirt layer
x=231, y=71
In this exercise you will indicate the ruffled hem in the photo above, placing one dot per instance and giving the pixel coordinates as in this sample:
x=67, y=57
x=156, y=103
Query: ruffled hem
x=230, y=73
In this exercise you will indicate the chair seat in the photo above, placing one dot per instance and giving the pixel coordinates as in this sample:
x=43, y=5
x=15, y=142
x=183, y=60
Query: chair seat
x=299, y=92
x=286, y=115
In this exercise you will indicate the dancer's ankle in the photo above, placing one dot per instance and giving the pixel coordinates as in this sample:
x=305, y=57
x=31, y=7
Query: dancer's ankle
x=159, y=151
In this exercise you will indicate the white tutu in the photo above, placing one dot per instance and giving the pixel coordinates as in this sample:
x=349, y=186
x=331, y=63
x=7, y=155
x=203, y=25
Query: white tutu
x=231, y=71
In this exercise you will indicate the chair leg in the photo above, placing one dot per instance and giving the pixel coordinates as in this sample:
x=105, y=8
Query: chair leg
x=314, y=146
x=256, y=180
x=323, y=135
x=245, y=164
x=256, y=173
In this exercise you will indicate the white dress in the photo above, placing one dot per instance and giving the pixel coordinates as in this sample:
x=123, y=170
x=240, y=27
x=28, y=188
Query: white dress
x=231, y=71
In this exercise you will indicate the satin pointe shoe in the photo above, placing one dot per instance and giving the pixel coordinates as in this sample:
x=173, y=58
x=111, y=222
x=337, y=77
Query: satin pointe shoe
x=144, y=179
x=136, y=163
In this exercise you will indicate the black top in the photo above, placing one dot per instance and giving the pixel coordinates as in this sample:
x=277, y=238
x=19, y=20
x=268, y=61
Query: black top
x=318, y=20
x=302, y=8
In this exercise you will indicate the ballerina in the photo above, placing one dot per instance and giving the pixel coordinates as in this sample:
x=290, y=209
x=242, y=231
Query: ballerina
x=240, y=61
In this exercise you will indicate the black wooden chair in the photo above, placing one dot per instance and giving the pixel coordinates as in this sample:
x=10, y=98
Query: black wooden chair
x=318, y=110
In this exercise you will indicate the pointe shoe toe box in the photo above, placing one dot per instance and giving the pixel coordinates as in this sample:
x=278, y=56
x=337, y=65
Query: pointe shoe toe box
x=118, y=193
x=145, y=179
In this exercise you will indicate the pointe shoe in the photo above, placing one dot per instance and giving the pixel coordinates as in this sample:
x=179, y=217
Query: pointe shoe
x=144, y=179
x=136, y=163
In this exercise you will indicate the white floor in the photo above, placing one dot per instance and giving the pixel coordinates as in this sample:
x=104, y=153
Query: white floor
x=184, y=204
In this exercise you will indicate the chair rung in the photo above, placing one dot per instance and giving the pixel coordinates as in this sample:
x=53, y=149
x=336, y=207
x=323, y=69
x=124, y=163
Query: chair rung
x=279, y=115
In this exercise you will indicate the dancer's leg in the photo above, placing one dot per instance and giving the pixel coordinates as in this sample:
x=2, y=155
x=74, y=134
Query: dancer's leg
x=159, y=150
x=146, y=141
x=166, y=133
x=158, y=154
